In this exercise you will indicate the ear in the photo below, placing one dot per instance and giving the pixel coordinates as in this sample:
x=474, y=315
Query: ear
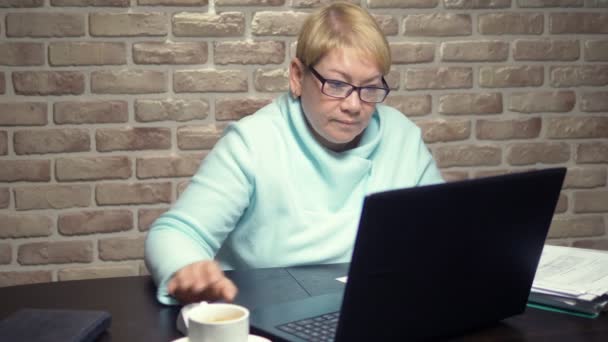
x=296, y=75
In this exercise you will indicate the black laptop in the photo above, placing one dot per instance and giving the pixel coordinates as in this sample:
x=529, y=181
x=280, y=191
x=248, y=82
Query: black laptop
x=432, y=262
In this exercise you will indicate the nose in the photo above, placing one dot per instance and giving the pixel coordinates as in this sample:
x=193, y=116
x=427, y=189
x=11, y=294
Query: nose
x=352, y=103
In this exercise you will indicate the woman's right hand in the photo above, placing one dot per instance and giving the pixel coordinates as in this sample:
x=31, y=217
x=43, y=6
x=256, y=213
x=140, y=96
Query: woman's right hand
x=202, y=280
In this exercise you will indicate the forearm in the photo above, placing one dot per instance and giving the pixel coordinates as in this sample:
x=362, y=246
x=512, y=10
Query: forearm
x=170, y=247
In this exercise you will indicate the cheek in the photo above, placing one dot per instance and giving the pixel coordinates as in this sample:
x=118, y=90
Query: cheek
x=365, y=114
x=308, y=107
x=368, y=111
x=313, y=107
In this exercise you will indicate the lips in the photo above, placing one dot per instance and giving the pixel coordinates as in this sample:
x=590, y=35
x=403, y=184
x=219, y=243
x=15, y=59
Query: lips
x=348, y=123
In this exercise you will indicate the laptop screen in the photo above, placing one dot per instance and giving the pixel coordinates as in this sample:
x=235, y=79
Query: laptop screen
x=437, y=260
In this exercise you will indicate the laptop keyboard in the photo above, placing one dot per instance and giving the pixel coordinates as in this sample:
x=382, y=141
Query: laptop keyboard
x=320, y=328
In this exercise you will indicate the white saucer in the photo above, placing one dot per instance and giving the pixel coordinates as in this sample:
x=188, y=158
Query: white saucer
x=252, y=338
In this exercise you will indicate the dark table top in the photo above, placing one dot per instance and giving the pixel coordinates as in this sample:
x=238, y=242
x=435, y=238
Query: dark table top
x=136, y=316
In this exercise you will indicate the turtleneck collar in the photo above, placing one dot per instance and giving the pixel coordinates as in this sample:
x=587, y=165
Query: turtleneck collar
x=291, y=107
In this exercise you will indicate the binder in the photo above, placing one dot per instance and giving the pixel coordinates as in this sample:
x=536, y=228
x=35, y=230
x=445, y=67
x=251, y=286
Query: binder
x=54, y=325
x=571, y=280
x=573, y=306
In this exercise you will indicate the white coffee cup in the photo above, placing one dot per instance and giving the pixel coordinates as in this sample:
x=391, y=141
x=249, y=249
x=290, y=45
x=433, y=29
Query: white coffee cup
x=218, y=322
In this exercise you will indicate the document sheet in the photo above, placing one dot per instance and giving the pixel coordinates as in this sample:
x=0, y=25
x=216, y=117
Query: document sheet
x=575, y=272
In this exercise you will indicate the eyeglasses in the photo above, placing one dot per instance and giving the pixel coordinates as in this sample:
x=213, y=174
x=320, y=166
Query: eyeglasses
x=342, y=90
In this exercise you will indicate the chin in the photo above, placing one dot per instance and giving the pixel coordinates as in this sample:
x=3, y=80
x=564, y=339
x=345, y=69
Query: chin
x=341, y=142
x=340, y=139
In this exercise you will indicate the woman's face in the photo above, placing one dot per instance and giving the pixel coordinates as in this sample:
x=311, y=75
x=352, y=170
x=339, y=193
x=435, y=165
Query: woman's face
x=336, y=123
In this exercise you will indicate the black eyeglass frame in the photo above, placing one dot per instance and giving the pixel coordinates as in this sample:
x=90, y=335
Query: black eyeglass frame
x=324, y=80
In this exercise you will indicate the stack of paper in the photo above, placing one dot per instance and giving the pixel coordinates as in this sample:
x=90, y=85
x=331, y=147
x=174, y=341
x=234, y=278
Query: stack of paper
x=572, y=279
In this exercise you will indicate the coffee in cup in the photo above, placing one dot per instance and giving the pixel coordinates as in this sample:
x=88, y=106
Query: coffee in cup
x=218, y=322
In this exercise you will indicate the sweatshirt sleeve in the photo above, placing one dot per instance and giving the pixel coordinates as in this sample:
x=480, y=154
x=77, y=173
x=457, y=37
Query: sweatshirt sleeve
x=205, y=213
x=428, y=173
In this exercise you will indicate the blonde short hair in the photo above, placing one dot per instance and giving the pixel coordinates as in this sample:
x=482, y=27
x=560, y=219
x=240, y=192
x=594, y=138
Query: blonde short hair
x=342, y=25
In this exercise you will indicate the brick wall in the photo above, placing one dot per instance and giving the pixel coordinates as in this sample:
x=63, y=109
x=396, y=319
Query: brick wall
x=107, y=107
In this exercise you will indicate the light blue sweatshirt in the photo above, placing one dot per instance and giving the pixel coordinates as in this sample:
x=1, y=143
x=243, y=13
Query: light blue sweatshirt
x=269, y=195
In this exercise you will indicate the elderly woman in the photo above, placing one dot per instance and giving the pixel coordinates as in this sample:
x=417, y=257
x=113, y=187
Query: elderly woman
x=285, y=186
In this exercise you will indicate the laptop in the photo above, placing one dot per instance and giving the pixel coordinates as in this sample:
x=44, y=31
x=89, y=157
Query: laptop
x=431, y=262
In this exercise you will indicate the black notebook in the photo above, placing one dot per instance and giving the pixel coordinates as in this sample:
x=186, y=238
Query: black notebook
x=54, y=325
